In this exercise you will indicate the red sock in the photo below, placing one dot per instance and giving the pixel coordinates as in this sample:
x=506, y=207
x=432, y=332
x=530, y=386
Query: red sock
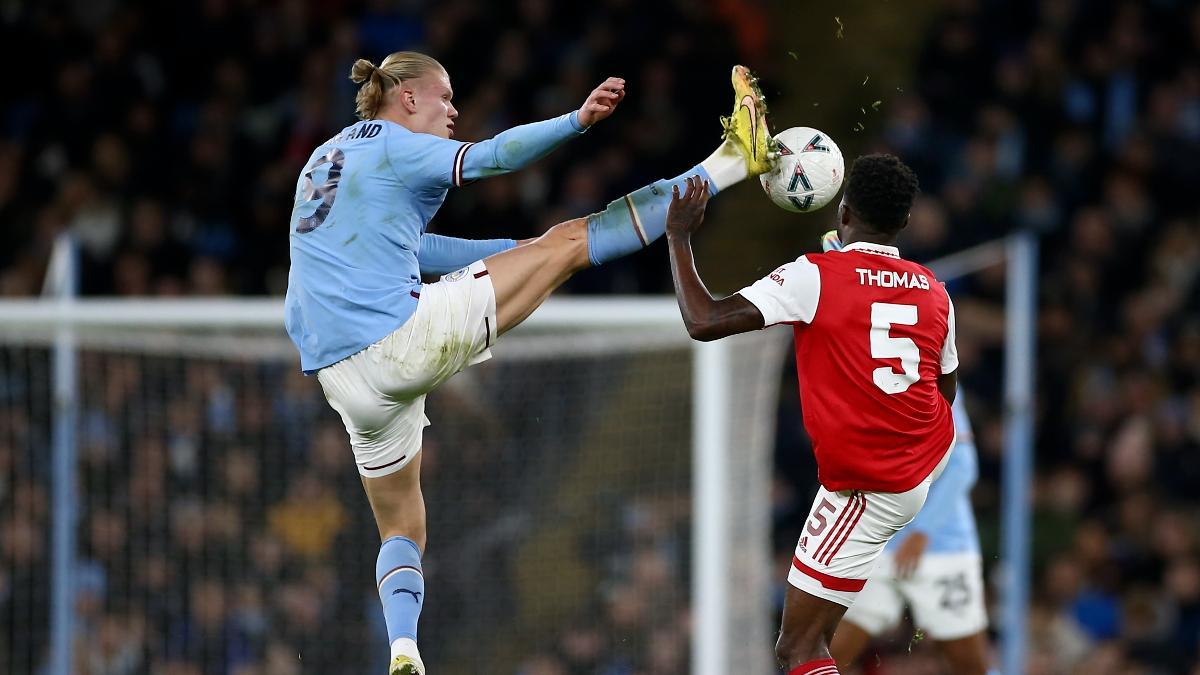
x=819, y=667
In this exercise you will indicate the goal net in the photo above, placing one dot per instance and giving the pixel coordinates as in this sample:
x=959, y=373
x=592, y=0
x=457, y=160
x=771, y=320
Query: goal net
x=597, y=497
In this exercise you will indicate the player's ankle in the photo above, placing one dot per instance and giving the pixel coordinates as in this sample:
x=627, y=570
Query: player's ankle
x=726, y=166
x=821, y=666
x=405, y=646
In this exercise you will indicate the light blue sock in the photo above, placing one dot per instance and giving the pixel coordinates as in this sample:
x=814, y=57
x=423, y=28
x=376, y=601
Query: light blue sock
x=401, y=586
x=633, y=221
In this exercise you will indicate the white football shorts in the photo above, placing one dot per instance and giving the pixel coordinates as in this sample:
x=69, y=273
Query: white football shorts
x=380, y=391
x=945, y=593
x=845, y=533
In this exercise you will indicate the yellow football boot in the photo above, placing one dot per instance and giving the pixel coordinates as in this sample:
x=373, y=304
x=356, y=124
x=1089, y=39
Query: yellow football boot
x=747, y=128
x=406, y=665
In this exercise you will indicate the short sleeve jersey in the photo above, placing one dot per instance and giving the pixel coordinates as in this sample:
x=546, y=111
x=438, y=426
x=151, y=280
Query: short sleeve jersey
x=362, y=202
x=873, y=332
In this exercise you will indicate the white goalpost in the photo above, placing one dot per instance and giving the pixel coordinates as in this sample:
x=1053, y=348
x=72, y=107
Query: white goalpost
x=716, y=446
x=622, y=445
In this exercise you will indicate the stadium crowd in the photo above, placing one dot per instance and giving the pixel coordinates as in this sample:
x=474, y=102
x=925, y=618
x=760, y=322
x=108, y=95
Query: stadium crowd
x=1082, y=122
x=215, y=543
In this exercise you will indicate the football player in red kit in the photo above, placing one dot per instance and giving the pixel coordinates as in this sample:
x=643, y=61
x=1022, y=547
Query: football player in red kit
x=875, y=353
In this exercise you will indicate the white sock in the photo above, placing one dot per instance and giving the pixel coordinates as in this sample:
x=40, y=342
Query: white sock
x=405, y=647
x=726, y=166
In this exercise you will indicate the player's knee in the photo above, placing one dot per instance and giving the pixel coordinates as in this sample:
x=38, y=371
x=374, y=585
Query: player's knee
x=399, y=527
x=567, y=232
x=568, y=239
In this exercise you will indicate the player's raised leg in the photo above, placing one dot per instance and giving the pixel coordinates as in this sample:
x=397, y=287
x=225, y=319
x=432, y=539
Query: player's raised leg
x=525, y=276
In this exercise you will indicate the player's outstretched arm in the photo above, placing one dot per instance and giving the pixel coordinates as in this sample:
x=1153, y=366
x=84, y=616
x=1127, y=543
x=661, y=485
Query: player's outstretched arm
x=523, y=145
x=706, y=318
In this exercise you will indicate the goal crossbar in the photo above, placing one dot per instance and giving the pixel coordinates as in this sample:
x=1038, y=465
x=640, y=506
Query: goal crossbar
x=609, y=312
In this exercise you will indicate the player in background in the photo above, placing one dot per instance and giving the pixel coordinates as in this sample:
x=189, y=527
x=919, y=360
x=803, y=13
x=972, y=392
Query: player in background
x=378, y=339
x=934, y=567
x=875, y=352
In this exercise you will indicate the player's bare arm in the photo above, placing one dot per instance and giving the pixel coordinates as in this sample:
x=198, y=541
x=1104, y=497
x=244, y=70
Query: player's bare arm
x=908, y=554
x=948, y=385
x=706, y=317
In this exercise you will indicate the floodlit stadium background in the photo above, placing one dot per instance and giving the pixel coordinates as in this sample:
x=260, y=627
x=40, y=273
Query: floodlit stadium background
x=166, y=137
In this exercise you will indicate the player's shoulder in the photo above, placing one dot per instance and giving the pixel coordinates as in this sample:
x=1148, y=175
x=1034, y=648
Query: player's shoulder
x=802, y=265
x=401, y=138
x=360, y=132
x=921, y=269
x=831, y=260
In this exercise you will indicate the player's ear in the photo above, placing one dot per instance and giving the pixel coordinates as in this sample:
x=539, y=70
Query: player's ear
x=408, y=99
x=843, y=213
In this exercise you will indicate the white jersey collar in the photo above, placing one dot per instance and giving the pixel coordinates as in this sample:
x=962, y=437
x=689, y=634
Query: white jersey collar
x=874, y=249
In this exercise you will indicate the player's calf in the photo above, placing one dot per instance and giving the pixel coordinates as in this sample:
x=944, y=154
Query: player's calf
x=401, y=585
x=967, y=655
x=808, y=625
x=637, y=219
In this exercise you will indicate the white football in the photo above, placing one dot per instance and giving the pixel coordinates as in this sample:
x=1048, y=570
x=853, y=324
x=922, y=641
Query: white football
x=809, y=172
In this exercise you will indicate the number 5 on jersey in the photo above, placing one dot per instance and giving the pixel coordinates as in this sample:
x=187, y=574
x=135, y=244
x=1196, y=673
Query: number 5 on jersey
x=883, y=346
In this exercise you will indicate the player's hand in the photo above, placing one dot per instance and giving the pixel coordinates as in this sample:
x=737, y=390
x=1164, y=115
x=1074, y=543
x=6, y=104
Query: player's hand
x=908, y=555
x=602, y=101
x=687, y=212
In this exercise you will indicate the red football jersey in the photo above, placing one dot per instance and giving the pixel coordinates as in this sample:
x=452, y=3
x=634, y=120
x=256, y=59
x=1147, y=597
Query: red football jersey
x=873, y=333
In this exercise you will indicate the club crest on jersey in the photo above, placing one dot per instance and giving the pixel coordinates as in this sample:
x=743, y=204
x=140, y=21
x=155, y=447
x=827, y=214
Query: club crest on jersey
x=815, y=144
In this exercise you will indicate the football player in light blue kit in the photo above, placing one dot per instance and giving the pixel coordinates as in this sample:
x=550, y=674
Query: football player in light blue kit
x=933, y=565
x=378, y=339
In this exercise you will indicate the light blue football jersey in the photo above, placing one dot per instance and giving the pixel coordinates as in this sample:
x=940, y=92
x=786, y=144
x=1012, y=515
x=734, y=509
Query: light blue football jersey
x=358, y=240
x=947, y=517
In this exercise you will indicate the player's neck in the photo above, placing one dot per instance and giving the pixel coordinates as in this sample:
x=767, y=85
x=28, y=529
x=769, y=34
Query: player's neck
x=395, y=118
x=877, y=238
